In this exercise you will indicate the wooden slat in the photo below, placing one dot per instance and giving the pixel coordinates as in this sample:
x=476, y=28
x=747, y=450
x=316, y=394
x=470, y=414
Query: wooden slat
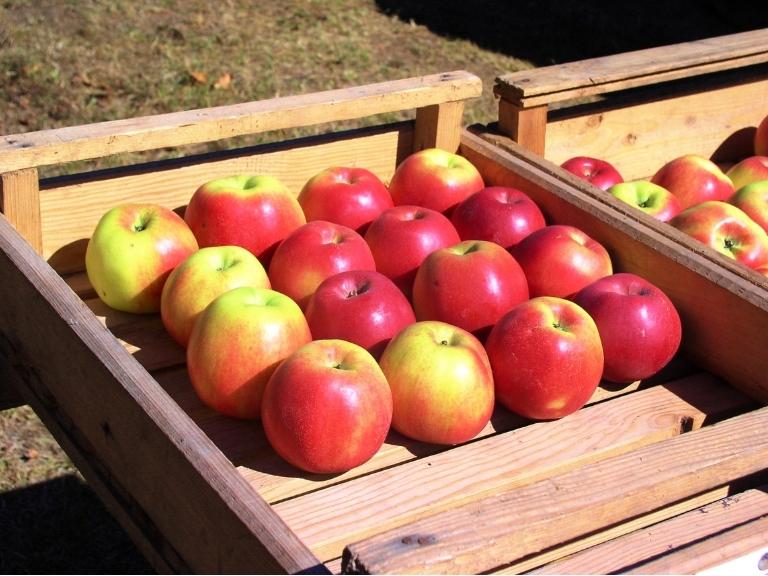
x=633, y=550
x=527, y=127
x=328, y=519
x=593, y=76
x=439, y=126
x=513, y=524
x=131, y=431
x=35, y=149
x=20, y=203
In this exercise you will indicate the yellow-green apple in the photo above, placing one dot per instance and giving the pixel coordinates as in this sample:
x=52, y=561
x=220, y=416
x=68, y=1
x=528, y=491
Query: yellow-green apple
x=327, y=408
x=648, y=197
x=638, y=324
x=694, y=179
x=559, y=260
x=401, y=237
x=350, y=196
x=312, y=253
x=596, y=171
x=727, y=229
x=761, y=138
x=499, y=214
x=434, y=178
x=236, y=344
x=470, y=285
x=132, y=251
x=255, y=212
x=547, y=358
x=361, y=306
x=752, y=199
x=200, y=278
x=748, y=170
x=441, y=381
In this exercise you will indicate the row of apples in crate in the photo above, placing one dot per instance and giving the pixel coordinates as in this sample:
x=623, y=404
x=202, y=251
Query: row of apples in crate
x=723, y=207
x=359, y=306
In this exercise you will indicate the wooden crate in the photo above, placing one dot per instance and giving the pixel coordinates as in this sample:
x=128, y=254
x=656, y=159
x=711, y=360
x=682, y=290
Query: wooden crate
x=202, y=493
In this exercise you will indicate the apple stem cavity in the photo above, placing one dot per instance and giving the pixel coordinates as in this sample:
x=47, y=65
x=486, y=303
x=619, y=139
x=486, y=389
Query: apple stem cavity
x=361, y=289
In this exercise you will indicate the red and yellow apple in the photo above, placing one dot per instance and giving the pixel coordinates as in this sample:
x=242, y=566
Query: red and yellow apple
x=648, y=197
x=752, y=199
x=596, y=171
x=131, y=252
x=748, y=170
x=694, y=179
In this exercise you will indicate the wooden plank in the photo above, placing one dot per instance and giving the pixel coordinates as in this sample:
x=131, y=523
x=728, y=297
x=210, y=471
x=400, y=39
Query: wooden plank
x=439, y=126
x=20, y=203
x=639, y=139
x=35, y=149
x=123, y=422
x=622, y=554
x=700, y=282
x=513, y=524
x=589, y=77
x=71, y=207
x=328, y=519
x=527, y=127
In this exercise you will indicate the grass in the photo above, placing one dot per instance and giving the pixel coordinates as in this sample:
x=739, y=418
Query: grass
x=71, y=62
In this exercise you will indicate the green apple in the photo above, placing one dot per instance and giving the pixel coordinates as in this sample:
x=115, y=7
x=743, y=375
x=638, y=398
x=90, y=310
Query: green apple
x=648, y=197
x=131, y=253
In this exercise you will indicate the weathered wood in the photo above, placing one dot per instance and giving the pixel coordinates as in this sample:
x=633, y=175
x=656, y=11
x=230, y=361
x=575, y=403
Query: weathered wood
x=513, y=524
x=175, y=129
x=593, y=76
x=439, y=126
x=527, y=127
x=20, y=203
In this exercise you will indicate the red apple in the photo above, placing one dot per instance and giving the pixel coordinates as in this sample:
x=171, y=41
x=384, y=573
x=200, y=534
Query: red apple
x=350, y=196
x=361, y=306
x=255, y=212
x=559, y=260
x=752, y=169
x=639, y=326
x=694, y=179
x=648, y=197
x=441, y=381
x=312, y=253
x=470, y=285
x=761, y=138
x=752, y=199
x=434, y=178
x=327, y=408
x=598, y=172
x=236, y=344
x=547, y=358
x=727, y=229
x=131, y=253
x=498, y=214
x=199, y=279
x=401, y=237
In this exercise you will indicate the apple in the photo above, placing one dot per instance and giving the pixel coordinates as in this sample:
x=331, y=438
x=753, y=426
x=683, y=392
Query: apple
x=498, y=214
x=350, y=196
x=694, y=179
x=434, y=178
x=200, y=278
x=361, y=306
x=132, y=251
x=255, y=212
x=559, y=260
x=752, y=169
x=639, y=327
x=761, y=138
x=752, y=199
x=648, y=197
x=236, y=344
x=596, y=171
x=327, y=408
x=547, y=358
x=441, y=381
x=312, y=253
x=470, y=285
x=727, y=229
x=401, y=237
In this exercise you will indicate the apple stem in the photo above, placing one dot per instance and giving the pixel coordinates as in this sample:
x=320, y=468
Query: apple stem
x=444, y=342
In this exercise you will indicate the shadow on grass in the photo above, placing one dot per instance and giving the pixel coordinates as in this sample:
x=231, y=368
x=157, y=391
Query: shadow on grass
x=548, y=32
x=60, y=527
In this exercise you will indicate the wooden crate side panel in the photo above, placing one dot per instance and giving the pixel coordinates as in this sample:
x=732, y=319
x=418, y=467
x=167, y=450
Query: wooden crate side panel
x=639, y=139
x=130, y=429
x=70, y=210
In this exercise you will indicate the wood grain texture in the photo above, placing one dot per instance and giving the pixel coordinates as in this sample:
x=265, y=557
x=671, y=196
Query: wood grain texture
x=635, y=549
x=513, y=524
x=593, y=76
x=528, y=127
x=20, y=203
x=326, y=520
x=439, y=126
x=35, y=149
